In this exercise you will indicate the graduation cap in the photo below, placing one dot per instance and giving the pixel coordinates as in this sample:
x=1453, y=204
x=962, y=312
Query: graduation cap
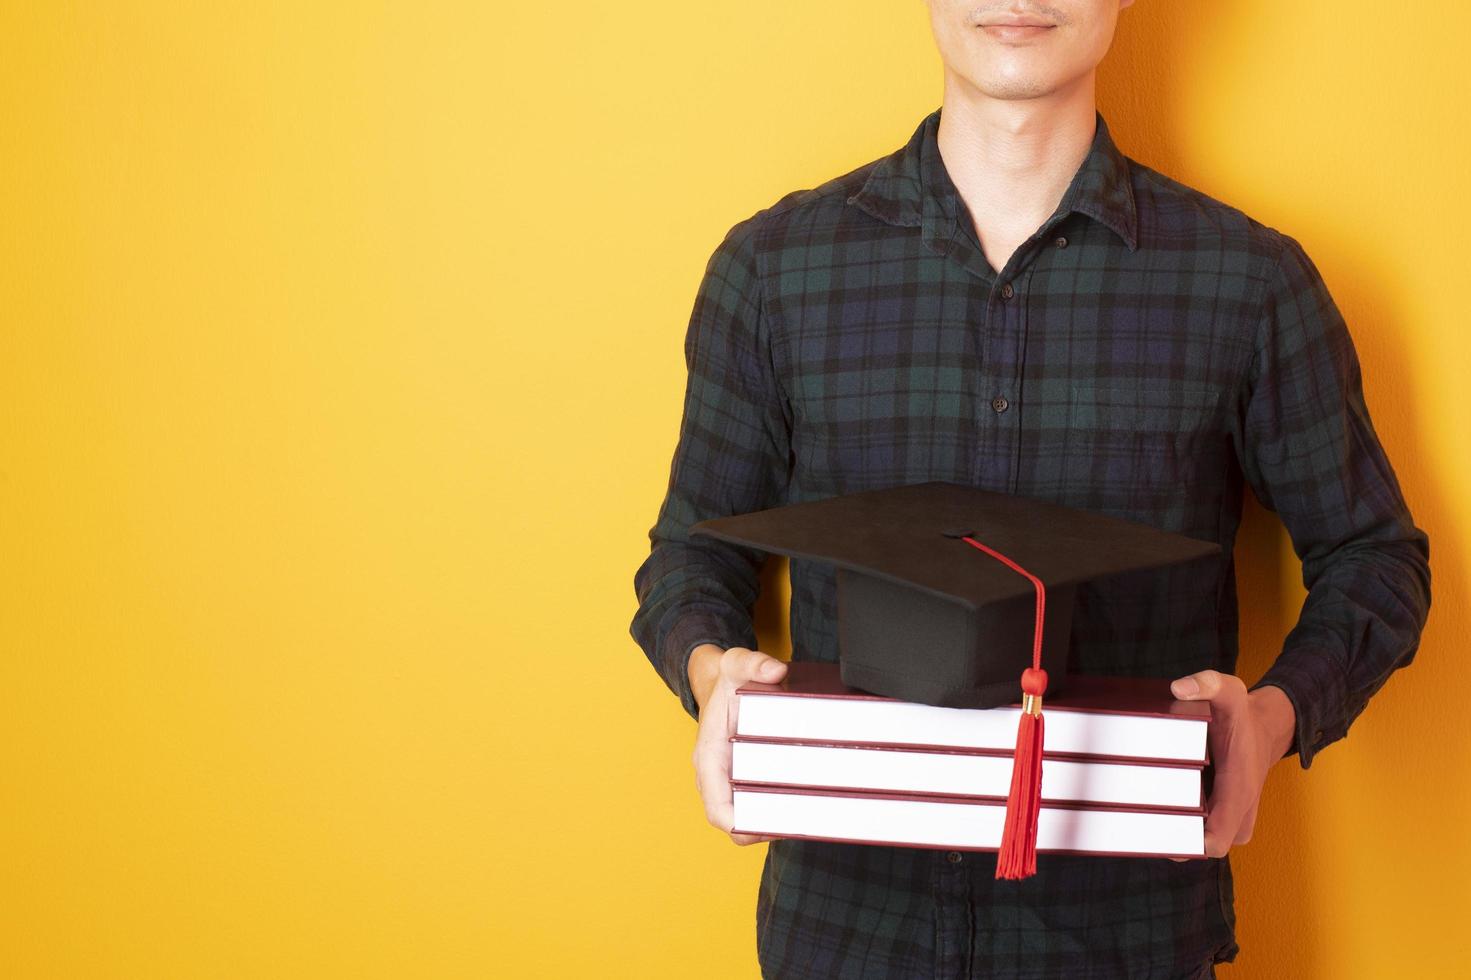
x=947, y=594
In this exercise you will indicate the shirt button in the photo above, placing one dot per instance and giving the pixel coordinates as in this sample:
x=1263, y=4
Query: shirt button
x=1007, y=292
x=999, y=403
x=953, y=857
x=1061, y=241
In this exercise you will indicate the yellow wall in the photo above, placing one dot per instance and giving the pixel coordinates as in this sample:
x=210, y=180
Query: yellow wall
x=340, y=367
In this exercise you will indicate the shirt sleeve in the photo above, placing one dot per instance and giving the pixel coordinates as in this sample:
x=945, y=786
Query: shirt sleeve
x=1309, y=451
x=732, y=457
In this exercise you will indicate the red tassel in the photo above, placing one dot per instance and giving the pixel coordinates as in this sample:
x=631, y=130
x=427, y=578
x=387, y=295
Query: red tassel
x=1017, y=857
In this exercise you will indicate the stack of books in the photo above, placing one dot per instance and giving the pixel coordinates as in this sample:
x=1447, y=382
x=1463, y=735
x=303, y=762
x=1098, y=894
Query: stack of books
x=1123, y=769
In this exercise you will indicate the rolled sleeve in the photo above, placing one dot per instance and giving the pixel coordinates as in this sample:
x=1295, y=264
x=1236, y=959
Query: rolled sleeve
x=1308, y=449
x=732, y=457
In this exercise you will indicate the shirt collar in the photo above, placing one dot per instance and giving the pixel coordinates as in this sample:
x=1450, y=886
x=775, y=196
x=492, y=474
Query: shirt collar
x=911, y=186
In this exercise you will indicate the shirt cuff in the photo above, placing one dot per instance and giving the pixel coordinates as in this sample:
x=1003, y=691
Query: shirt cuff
x=689, y=632
x=1314, y=683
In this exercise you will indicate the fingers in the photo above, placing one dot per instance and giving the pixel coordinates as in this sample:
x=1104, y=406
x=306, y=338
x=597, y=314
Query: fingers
x=1227, y=808
x=1232, y=807
x=1225, y=824
x=712, y=777
x=1228, y=820
x=711, y=756
x=1233, y=792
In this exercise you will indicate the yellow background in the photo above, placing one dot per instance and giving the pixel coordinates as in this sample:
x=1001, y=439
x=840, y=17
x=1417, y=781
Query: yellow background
x=340, y=369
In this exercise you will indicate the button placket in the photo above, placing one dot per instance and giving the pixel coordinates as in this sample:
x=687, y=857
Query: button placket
x=997, y=457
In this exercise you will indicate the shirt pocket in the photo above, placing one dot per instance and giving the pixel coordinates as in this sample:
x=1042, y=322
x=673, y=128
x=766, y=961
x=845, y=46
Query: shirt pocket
x=1148, y=453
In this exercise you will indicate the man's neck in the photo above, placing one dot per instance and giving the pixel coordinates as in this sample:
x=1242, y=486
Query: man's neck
x=1011, y=160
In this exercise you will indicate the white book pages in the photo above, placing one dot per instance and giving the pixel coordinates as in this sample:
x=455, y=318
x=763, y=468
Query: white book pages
x=964, y=825
x=909, y=723
x=955, y=772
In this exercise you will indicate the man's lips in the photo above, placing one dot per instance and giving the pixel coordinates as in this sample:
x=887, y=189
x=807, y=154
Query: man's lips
x=1013, y=31
x=1023, y=20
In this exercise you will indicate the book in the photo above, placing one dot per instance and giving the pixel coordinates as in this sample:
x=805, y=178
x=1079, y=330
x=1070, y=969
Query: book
x=960, y=772
x=1121, y=718
x=957, y=823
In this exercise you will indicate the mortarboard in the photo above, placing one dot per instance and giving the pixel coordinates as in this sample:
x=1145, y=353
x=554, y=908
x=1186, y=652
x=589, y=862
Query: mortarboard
x=947, y=594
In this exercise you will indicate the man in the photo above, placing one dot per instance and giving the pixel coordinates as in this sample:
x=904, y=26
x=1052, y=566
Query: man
x=1010, y=301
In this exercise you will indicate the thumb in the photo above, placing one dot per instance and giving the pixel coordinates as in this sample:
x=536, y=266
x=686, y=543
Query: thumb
x=770, y=668
x=1201, y=684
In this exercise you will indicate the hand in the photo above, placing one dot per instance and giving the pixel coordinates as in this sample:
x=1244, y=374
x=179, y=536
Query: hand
x=1249, y=731
x=714, y=676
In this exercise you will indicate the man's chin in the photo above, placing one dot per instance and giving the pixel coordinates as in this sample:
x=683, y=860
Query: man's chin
x=1014, y=89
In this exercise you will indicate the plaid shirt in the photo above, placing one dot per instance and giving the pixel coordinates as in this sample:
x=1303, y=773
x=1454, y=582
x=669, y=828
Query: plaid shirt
x=1149, y=352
